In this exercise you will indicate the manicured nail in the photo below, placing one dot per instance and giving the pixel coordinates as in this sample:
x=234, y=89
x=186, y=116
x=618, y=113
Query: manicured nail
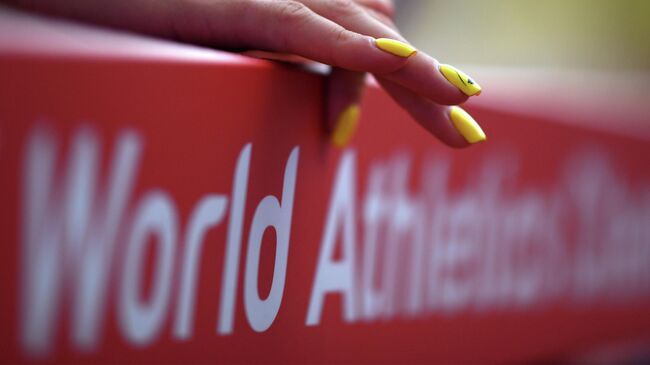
x=346, y=125
x=460, y=79
x=395, y=47
x=466, y=125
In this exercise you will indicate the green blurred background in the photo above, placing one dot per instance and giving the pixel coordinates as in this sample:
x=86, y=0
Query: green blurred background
x=577, y=34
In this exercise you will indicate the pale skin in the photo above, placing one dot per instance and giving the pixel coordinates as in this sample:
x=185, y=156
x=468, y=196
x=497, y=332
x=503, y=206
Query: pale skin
x=339, y=33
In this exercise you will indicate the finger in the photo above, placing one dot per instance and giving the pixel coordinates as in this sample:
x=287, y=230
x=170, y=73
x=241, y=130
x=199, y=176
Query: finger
x=422, y=74
x=344, y=89
x=286, y=26
x=280, y=26
x=451, y=125
x=427, y=114
x=442, y=83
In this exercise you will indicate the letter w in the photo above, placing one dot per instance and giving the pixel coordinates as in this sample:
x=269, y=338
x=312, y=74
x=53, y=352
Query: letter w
x=68, y=234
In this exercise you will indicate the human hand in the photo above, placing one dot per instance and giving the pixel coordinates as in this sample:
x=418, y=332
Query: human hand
x=353, y=37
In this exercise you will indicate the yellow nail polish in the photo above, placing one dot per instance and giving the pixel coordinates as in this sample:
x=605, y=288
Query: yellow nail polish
x=466, y=125
x=460, y=79
x=395, y=47
x=346, y=125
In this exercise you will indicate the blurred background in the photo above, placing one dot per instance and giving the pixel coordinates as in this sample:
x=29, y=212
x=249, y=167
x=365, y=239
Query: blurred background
x=573, y=34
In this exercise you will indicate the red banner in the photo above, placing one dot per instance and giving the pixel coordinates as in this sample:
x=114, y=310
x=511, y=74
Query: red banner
x=191, y=209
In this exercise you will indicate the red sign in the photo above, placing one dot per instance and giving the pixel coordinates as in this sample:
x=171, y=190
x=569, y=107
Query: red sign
x=190, y=208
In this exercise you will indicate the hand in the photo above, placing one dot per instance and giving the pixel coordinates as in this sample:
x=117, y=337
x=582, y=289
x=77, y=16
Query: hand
x=353, y=37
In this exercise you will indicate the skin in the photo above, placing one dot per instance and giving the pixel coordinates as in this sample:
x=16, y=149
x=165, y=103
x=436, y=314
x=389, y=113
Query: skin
x=338, y=33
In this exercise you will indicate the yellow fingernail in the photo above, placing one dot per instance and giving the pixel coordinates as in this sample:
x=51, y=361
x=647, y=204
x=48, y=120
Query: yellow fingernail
x=460, y=79
x=395, y=47
x=346, y=125
x=466, y=125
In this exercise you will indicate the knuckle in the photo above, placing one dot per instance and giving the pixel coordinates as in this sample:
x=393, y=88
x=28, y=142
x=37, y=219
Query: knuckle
x=340, y=36
x=290, y=16
x=292, y=11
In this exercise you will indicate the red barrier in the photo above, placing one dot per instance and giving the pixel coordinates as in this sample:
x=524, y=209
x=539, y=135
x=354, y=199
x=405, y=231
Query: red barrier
x=140, y=180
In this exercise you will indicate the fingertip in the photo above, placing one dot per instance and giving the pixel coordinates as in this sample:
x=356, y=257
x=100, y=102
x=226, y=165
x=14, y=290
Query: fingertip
x=423, y=76
x=346, y=125
x=466, y=125
x=344, y=91
x=451, y=125
x=395, y=47
x=385, y=56
x=460, y=80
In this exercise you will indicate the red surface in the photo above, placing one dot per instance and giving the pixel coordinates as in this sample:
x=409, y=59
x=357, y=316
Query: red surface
x=194, y=118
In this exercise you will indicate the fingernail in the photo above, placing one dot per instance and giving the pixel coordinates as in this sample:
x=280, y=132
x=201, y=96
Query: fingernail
x=460, y=79
x=346, y=125
x=395, y=47
x=466, y=125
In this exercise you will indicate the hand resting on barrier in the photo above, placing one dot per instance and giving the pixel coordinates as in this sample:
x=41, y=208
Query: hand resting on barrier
x=354, y=37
